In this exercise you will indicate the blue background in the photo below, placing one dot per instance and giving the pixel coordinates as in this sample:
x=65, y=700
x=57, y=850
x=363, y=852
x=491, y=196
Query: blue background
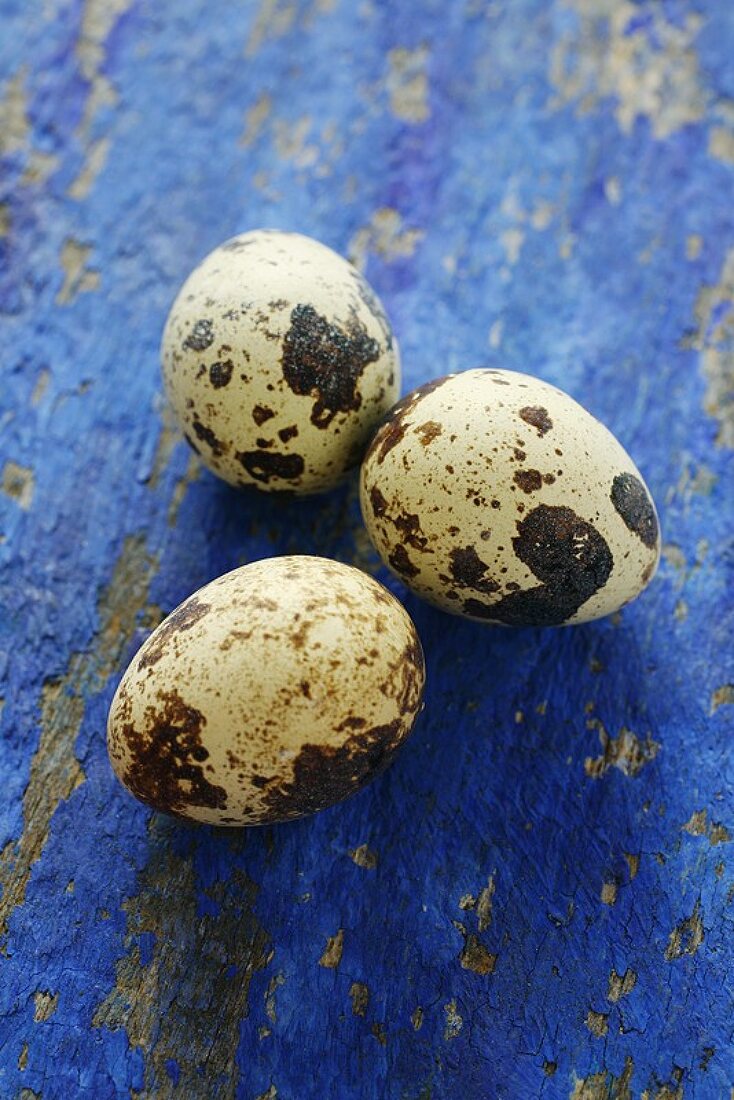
x=544, y=906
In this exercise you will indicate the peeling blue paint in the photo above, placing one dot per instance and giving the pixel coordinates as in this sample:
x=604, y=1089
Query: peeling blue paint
x=601, y=288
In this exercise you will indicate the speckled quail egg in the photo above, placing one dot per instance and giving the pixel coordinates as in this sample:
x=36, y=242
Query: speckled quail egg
x=496, y=496
x=279, y=362
x=274, y=691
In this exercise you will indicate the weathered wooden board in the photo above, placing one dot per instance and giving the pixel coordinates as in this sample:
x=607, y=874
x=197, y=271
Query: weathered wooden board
x=537, y=899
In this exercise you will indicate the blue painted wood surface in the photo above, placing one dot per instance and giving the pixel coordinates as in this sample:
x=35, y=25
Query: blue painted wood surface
x=537, y=899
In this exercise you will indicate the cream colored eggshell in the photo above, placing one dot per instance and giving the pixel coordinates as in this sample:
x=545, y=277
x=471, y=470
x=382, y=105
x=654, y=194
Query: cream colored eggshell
x=492, y=495
x=276, y=690
x=279, y=362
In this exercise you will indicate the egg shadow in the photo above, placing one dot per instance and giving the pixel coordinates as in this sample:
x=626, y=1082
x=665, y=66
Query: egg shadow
x=475, y=672
x=506, y=709
x=247, y=523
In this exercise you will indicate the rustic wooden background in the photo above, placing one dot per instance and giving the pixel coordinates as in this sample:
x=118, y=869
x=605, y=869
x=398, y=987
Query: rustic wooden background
x=537, y=900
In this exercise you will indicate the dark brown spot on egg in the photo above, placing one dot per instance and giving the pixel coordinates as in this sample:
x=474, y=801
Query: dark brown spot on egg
x=352, y=723
x=265, y=465
x=207, y=435
x=201, y=336
x=409, y=526
x=428, y=432
x=537, y=417
x=179, y=621
x=388, y=437
x=324, y=361
x=165, y=770
x=260, y=414
x=378, y=502
x=326, y=774
x=633, y=503
x=401, y=563
x=528, y=480
x=288, y=433
x=220, y=373
x=563, y=551
x=393, y=428
x=469, y=571
x=412, y=672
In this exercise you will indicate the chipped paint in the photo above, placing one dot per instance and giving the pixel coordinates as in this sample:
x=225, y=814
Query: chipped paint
x=273, y=20
x=714, y=339
x=687, y=936
x=721, y=144
x=696, y=824
x=55, y=772
x=39, y=168
x=722, y=697
x=44, y=1005
x=18, y=483
x=255, y=118
x=39, y=390
x=484, y=905
x=78, y=277
x=597, y=1023
x=99, y=19
x=363, y=856
x=273, y=986
x=407, y=84
x=475, y=956
x=699, y=825
x=359, y=995
x=229, y=948
x=95, y=161
x=14, y=124
x=694, y=244
x=621, y=985
x=454, y=1022
x=512, y=241
x=332, y=955
x=609, y=893
x=604, y=1085
x=380, y=1032
x=291, y=142
x=476, y=790
x=719, y=834
x=386, y=237
x=650, y=71
x=627, y=752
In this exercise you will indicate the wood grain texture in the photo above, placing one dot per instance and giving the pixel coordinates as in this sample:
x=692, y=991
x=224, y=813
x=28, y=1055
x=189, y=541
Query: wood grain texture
x=537, y=898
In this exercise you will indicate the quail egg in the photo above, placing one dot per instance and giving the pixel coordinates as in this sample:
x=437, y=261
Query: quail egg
x=276, y=690
x=496, y=496
x=279, y=362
